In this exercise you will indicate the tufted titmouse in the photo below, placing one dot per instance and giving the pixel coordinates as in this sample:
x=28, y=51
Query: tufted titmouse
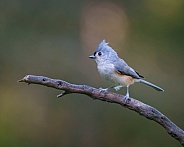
x=116, y=70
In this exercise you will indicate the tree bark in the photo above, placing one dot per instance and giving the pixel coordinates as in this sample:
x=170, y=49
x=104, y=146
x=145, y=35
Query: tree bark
x=132, y=104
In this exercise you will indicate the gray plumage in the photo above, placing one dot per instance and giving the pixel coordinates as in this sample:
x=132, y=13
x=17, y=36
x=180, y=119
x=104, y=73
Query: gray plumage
x=116, y=70
x=120, y=65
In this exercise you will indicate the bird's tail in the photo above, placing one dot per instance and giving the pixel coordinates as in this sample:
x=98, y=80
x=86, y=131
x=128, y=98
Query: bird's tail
x=151, y=85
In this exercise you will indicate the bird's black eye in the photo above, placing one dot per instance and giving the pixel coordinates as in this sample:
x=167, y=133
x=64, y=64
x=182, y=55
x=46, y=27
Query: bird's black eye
x=99, y=53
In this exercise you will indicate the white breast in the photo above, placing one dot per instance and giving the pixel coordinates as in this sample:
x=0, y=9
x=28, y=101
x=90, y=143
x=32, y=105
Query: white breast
x=106, y=71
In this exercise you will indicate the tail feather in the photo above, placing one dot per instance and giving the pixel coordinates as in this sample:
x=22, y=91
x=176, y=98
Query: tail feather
x=151, y=85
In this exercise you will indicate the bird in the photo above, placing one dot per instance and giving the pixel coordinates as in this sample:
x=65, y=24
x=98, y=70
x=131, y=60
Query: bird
x=116, y=70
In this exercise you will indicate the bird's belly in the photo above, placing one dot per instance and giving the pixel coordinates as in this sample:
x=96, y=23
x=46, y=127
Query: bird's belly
x=108, y=73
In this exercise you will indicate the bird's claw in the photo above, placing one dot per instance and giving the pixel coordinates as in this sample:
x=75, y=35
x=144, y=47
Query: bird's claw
x=127, y=98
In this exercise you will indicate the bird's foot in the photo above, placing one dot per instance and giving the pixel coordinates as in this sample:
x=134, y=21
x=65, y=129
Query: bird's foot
x=127, y=98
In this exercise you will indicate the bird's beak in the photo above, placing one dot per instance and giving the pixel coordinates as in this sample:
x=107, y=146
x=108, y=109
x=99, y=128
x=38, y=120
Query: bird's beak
x=92, y=57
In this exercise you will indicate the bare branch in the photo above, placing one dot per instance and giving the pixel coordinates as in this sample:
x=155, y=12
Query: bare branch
x=135, y=105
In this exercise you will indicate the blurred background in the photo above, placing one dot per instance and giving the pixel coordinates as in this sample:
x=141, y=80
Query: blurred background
x=55, y=38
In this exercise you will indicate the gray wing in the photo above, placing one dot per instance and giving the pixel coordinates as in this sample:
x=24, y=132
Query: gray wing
x=122, y=68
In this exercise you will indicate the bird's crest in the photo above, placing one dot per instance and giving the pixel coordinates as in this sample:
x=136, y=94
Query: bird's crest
x=104, y=47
